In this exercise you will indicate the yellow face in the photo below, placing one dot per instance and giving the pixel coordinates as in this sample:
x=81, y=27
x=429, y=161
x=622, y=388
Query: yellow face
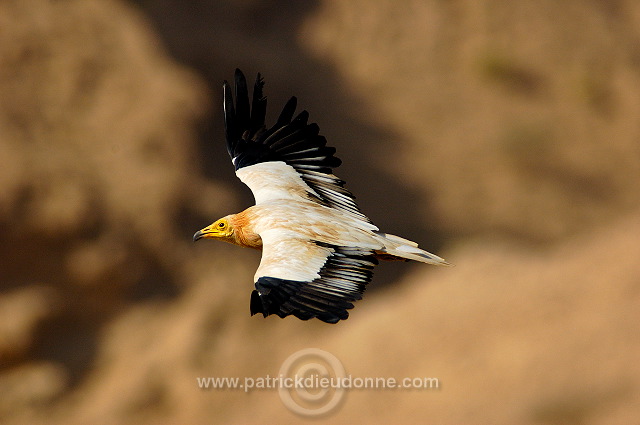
x=221, y=229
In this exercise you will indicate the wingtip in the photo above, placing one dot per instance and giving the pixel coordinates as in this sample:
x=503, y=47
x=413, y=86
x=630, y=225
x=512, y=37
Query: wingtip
x=258, y=105
x=230, y=126
x=287, y=112
x=256, y=306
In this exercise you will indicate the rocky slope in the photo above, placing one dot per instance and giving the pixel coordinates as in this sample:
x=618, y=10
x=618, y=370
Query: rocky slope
x=501, y=135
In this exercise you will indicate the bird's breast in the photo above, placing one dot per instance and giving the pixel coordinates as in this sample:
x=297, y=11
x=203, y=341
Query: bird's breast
x=306, y=220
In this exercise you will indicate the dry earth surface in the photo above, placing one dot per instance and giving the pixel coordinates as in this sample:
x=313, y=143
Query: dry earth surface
x=502, y=135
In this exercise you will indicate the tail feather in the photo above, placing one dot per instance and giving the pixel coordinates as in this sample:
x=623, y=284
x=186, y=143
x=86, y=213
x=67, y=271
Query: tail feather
x=397, y=248
x=397, y=239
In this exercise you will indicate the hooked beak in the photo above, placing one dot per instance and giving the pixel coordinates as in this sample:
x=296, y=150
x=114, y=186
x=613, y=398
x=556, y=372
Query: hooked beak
x=198, y=235
x=209, y=232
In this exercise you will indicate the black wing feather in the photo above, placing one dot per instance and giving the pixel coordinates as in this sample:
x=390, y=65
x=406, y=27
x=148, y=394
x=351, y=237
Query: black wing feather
x=230, y=123
x=291, y=140
x=342, y=281
x=243, y=115
x=258, y=107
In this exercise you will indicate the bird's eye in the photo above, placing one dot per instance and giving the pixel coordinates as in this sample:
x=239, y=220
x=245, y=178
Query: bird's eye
x=221, y=225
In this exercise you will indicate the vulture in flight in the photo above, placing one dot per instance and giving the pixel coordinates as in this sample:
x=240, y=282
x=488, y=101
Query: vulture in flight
x=318, y=248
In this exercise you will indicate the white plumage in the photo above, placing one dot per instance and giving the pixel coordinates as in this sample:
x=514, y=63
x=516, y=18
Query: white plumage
x=318, y=248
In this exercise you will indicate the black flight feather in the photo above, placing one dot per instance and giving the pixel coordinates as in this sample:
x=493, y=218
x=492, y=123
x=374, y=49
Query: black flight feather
x=291, y=140
x=342, y=281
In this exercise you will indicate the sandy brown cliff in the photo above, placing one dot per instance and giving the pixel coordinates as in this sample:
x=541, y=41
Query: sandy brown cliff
x=503, y=135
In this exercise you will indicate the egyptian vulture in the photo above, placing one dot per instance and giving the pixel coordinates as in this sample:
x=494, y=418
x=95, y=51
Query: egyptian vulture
x=318, y=249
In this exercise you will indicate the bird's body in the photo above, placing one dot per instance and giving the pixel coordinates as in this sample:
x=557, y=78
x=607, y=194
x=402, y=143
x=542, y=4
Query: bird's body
x=318, y=249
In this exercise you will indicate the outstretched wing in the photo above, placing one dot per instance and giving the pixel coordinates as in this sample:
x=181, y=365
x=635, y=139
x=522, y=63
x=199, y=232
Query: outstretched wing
x=309, y=279
x=288, y=160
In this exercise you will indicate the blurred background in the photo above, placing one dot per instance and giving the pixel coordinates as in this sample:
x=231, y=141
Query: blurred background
x=502, y=135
